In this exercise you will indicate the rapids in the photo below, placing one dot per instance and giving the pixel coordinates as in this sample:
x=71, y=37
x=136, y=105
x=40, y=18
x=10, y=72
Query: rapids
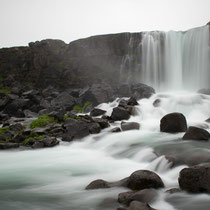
x=55, y=178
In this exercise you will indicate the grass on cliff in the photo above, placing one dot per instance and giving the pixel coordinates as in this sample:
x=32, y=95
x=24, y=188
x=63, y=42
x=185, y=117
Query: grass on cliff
x=82, y=109
x=42, y=121
x=3, y=130
x=35, y=138
x=5, y=90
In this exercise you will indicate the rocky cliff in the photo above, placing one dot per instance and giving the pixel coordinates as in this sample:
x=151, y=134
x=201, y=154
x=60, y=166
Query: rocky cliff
x=52, y=62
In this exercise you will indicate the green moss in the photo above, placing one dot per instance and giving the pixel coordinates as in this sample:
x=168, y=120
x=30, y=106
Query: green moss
x=3, y=130
x=36, y=138
x=5, y=90
x=80, y=109
x=42, y=121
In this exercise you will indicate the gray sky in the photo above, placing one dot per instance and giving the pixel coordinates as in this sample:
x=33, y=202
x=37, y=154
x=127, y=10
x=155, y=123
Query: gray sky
x=23, y=21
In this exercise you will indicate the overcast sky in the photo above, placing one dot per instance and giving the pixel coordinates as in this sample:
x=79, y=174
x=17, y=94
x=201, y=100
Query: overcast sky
x=23, y=21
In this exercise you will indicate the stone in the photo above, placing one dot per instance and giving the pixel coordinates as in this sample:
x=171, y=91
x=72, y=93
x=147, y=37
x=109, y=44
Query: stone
x=194, y=133
x=132, y=101
x=8, y=145
x=145, y=196
x=97, y=112
x=195, y=179
x=173, y=123
x=37, y=145
x=125, y=126
x=102, y=122
x=64, y=100
x=13, y=110
x=136, y=205
x=76, y=129
x=50, y=141
x=204, y=91
x=98, y=184
x=140, y=91
x=119, y=113
x=94, y=128
x=116, y=129
x=144, y=179
x=16, y=127
x=156, y=103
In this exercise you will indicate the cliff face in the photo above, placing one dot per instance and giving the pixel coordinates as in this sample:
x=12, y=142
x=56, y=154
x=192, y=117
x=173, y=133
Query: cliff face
x=52, y=62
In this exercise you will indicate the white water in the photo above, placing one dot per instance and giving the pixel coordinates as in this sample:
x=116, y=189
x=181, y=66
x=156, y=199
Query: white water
x=176, y=60
x=55, y=178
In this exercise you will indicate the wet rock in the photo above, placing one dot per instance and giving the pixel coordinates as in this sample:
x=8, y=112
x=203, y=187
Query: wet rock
x=156, y=103
x=173, y=122
x=94, y=128
x=136, y=205
x=173, y=190
x=132, y=101
x=50, y=141
x=57, y=115
x=30, y=114
x=98, y=184
x=16, y=127
x=144, y=179
x=125, y=126
x=194, y=133
x=145, y=196
x=97, y=112
x=208, y=120
x=204, y=91
x=140, y=91
x=8, y=145
x=13, y=110
x=116, y=129
x=64, y=100
x=102, y=122
x=119, y=113
x=195, y=179
x=37, y=145
x=76, y=129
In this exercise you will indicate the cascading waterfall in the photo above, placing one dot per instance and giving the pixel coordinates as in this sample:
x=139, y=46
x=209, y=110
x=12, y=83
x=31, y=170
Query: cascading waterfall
x=176, y=60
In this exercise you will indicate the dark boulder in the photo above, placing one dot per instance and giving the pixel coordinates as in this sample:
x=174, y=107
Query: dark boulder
x=208, y=120
x=195, y=179
x=144, y=179
x=50, y=141
x=14, y=110
x=140, y=91
x=115, y=130
x=136, y=205
x=76, y=129
x=63, y=100
x=125, y=126
x=97, y=93
x=119, y=113
x=132, y=101
x=98, y=184
x=97, y=112
x=37, y=144
x=94, y=128
x=204, y=91
x=102, y=122
x=16, y=127
x=145, y=196
x=156, y=103
x=173, y=122
x=8, y=145
x=194, y=133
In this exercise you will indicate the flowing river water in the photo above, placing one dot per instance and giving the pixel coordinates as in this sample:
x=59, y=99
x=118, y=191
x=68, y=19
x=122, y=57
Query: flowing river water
x=56, y=178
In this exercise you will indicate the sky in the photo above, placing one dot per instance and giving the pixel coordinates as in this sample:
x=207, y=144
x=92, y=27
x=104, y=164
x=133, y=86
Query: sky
x=24, y=21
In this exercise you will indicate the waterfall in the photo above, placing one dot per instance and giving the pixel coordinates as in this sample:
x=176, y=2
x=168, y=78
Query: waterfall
x=176, y=60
